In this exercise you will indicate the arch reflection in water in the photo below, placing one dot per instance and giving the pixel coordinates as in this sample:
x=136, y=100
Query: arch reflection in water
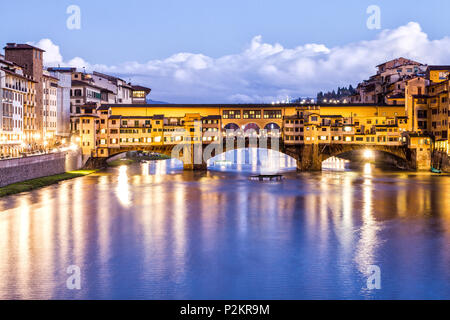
x=335, y=164
x=161, y=167
x=255, y=160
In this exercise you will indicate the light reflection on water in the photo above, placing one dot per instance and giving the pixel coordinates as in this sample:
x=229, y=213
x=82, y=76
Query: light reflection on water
x=263, y=161
x=152, y=231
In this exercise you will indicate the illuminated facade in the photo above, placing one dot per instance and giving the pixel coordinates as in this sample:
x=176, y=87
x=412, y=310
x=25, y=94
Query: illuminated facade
x=110, y=128
x=427, y=106
x=17, y=115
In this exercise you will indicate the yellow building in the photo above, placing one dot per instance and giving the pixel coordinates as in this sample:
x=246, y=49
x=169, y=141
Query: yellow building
x=438, y=74
x=110, y=129
x=427, y=108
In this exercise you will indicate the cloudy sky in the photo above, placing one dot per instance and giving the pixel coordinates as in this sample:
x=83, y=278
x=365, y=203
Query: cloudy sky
x=232, y=51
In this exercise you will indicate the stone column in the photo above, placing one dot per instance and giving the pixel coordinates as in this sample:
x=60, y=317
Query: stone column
x=309, y=158
x=193, y=158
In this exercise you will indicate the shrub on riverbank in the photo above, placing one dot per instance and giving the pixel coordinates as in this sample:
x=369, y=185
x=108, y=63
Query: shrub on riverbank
x=41, y=182
x=133, y=158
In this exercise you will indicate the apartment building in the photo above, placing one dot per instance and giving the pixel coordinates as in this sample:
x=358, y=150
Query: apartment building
x=13, y=90
x=140, y=94
x=427, y=105
x=64, y=76
x=30, y=59
x=388, y=85
x=50, y=107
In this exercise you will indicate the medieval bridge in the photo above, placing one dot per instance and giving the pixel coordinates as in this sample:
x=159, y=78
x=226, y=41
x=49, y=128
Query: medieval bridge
x=309, y=157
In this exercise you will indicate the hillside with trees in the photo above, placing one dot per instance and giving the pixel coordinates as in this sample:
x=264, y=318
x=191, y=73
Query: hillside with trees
x=341, y=93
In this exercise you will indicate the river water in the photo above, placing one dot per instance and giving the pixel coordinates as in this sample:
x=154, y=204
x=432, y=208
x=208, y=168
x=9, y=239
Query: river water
x=152, y=231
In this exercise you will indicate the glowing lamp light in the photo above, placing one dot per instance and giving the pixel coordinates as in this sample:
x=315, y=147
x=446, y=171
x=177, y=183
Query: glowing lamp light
x=368, y=154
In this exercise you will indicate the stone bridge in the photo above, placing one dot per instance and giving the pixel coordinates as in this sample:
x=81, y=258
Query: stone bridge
x=309, y=156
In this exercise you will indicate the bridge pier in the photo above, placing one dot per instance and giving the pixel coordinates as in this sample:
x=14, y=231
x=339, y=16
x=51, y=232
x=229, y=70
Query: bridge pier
x=193, y=158
x=309, y=158
x=195, y=167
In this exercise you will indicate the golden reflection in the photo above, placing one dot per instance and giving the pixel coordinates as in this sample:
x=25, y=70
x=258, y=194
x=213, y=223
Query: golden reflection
x=43, y=224
x=23, y=264
x=123, y=190
x=51, y=228
x=367, y=244
x=368, y=169
x=78, y=219
x=104, y=226
x=145, y=169
x=179, y=229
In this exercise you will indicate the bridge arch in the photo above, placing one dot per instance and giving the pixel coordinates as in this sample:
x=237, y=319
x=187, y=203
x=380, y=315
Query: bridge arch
x=232, y=126
x=249, y=127
x=394, y=155
x=271, y=127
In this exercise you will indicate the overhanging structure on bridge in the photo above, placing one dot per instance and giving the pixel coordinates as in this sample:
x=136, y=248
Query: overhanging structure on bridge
x=309, y=133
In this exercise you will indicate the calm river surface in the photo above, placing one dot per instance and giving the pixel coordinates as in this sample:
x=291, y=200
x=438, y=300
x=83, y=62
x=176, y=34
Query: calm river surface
x=152, y=231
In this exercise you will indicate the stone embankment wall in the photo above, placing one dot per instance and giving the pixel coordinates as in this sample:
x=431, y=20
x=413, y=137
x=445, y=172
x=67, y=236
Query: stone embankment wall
x=32, y=167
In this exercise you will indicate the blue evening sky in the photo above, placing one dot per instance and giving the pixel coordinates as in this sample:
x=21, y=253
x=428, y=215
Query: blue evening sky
x=138, y=30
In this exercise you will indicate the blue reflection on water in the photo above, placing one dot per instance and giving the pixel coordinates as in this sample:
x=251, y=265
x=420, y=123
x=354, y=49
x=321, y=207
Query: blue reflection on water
x=254, y=160
x=153, y=231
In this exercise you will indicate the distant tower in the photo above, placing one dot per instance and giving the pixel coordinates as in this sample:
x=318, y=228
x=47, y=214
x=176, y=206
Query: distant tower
x=31, y=60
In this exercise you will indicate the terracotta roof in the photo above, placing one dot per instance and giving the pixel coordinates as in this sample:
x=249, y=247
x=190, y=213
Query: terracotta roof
x=141, y=88
x=16, y=46
x=212, y=118
x=83, y=83
x=438, y=67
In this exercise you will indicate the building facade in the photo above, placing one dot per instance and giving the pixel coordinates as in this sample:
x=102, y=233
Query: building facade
x=17, y=117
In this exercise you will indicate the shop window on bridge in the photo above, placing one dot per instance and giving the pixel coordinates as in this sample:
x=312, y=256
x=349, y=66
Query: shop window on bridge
x=252, y=114
x=272, y=114
x=231, y=114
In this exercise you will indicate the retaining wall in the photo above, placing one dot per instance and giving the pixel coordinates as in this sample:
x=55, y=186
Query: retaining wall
x=32, y=167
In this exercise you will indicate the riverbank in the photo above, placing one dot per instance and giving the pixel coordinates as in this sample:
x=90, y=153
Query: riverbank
x=42, y=182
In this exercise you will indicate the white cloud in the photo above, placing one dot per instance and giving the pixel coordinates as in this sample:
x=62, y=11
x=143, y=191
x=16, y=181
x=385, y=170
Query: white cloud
x=267, y=72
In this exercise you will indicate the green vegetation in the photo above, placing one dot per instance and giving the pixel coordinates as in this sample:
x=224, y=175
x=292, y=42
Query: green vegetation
x=41, y=182
x=343, y=92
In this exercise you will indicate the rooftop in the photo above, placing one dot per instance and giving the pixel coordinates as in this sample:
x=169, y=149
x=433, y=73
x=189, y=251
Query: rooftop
x=248, y=105
x=16, y=46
